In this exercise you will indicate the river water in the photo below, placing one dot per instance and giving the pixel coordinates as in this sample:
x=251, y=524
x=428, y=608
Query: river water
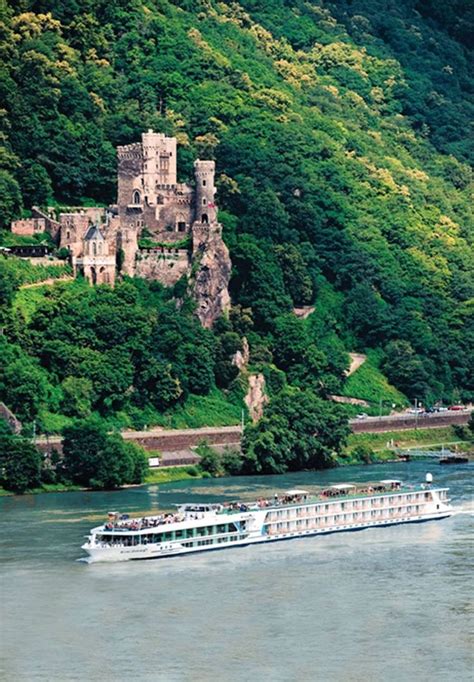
x=382, y=604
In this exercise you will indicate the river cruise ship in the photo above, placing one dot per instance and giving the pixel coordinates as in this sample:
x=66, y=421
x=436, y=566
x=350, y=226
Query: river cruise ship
x=293, y=514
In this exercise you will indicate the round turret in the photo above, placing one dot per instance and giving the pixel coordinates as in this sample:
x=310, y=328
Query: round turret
x=205, y=208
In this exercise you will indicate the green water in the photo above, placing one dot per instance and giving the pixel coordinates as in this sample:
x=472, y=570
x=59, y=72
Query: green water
x=380, y=604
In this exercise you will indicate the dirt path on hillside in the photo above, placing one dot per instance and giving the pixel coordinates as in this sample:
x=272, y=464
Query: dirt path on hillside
x=357, y=359
x=50, y=280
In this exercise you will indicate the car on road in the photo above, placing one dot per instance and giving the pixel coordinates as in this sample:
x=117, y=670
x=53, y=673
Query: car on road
x=416, y=410
x=456, y=408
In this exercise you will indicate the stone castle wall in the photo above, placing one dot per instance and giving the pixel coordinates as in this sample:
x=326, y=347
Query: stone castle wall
x=29, y=226
x=162, y=264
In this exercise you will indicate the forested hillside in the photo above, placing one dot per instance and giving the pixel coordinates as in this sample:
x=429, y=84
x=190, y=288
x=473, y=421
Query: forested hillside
x=343, y=141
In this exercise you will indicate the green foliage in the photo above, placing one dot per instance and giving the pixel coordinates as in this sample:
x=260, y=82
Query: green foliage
x=404, y=369
x=10, y=199
x=20, y=462
x=368, y=383
x=210, y=460
x=24, y=272
x=231, y=461
x=77, y=396
x=215, y=464
x=340, y=134
x=298, y=431
x=363, y=454
x=169, y=474
x=96, y=459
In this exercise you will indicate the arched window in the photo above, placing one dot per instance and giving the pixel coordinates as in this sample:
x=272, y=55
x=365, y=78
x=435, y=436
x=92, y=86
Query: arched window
x=94, y=249
x=204, y=218
x=136, y=197
x=68, y=235
x=99, y=249
x=204, y=202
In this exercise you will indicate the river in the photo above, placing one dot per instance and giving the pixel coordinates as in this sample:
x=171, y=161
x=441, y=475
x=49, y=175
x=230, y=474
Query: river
x=382, y=604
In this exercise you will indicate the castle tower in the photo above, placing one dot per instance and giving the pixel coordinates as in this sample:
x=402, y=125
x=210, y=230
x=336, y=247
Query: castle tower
x=159, y=163
x=205, y=208
x=96, y=264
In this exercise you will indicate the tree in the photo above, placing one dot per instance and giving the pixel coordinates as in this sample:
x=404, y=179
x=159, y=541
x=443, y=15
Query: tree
x=25, y=387
x=157, y=383
x=77, y=396
x=404, y=369
x=10, y=199
x=210, y=460
x=96, y=459
x=20, y=462
x=297, y=279
x=298, y=431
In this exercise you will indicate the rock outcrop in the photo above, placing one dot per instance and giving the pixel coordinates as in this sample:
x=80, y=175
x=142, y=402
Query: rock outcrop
x=242, y=357
x=256, y=398
x=211, y=273
x=11, y=419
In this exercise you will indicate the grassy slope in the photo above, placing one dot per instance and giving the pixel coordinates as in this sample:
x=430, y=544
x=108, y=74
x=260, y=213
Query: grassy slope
x=405, y=439
x=27, y=300
x=368, y=383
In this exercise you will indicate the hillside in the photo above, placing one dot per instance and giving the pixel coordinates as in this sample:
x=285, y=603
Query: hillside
x=340, y=132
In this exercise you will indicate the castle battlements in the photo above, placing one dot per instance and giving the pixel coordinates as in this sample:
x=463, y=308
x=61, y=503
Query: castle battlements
x=151, y=204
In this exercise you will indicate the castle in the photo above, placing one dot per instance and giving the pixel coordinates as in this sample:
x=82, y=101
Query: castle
x=159, y=229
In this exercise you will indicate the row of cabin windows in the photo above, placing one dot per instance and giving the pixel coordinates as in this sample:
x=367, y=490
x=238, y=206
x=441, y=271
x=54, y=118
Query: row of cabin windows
x=181, y=534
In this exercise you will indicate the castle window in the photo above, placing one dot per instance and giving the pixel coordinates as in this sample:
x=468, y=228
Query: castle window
x=68, y=235
x=204, y=202
x=136, y=197
x=181, y=227
x=204, y=218
x=203, y=183
x=94, y=249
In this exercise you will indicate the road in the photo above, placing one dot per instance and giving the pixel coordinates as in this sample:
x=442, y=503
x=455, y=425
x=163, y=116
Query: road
x=178, y=441
x=400, y=422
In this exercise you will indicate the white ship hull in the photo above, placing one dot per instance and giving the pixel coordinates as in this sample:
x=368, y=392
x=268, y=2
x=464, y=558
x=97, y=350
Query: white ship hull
x=154, y=552
x=220, y=529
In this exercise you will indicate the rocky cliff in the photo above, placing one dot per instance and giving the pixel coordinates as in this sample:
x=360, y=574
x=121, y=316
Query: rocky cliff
x=210, y=273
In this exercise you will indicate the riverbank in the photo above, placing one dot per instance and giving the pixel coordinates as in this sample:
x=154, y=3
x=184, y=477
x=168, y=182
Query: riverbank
x=382, y=448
